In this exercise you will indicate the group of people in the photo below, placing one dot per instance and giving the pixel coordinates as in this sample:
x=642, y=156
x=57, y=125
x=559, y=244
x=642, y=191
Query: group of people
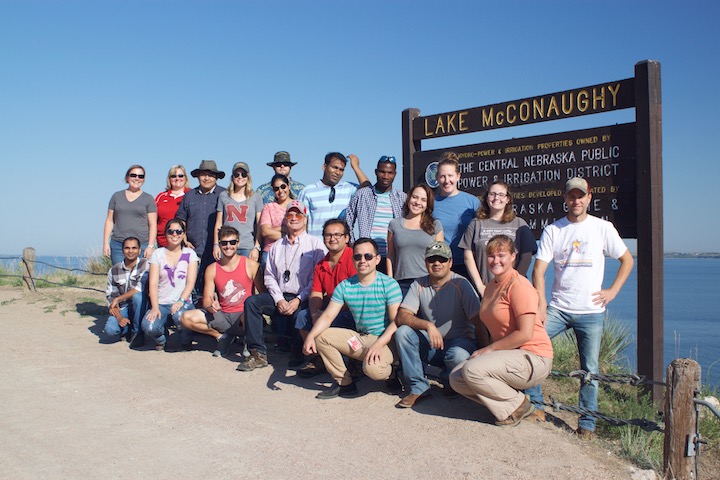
x=364, y=279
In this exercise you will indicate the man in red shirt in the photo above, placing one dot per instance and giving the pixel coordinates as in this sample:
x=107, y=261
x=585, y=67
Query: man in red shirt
x=331, y=270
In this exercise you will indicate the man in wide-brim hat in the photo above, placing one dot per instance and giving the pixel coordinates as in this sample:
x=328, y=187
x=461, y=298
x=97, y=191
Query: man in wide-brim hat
x=199, y=208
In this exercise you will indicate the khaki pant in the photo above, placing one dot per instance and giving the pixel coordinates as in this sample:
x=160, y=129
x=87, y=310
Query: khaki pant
x=496, y=378
x=332, y=344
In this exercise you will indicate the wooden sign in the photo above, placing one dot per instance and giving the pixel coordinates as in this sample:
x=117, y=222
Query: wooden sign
x=536, y=168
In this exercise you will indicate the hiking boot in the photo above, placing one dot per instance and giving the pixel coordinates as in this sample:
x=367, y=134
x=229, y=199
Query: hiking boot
x=411, y=400
x=223, y=345
x=312, y=367
x=337, y=390
x=537, y=416
x=523, y=411
x=255, y=360
x=585, y=433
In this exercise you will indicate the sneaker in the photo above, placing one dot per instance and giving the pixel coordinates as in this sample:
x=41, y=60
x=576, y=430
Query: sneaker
x=255, y=360
x=523, y=411
x=312, y=367
x=160, y=347
x=537, y=416
x=337, y=390
x=223, y=345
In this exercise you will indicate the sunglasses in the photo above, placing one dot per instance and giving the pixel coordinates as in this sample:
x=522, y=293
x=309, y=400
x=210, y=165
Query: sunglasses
x=279, y=187
x=224, y=243
x=282, y=164
x=137, y=175
x=386, y=159
x=331, y=198
x=177, y=175
x=437, y=258
x=239, y=174
x=171, y=231
x=294, y=215
x=359, y=256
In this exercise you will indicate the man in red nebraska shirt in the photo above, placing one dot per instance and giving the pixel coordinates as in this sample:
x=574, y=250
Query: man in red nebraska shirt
x=331, y=270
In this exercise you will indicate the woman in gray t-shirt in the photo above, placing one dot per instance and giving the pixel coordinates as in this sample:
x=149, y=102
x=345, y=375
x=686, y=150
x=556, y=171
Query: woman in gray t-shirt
x=131, y=213
x=240, y=208
x=495, y=217
x=409, y=235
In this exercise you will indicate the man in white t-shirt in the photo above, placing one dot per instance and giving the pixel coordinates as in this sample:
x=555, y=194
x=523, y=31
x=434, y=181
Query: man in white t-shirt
x=577, y=245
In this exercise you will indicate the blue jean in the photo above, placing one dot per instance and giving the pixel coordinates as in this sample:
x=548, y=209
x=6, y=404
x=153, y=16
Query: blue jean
x=415, y=351
x=588, y=330
x=156, y=329
x=116, y=253
x=134, y=311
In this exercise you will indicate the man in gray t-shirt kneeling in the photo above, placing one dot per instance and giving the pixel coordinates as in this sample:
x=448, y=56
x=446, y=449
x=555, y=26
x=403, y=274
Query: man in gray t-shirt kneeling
x=435, y=324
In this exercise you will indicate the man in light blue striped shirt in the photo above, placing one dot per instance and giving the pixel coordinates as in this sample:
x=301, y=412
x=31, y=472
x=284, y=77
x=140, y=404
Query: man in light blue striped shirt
x=329, y=197
x=373, y=299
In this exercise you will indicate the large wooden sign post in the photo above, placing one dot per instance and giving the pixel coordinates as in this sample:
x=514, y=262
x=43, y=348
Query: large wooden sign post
x=622, y=163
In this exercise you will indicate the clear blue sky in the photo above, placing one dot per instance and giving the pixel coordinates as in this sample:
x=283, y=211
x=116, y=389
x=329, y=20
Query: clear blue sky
x=90, y=87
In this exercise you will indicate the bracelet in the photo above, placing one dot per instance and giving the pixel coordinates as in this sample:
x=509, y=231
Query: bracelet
x=216, y=244
x=180, y=300
x=258, y=248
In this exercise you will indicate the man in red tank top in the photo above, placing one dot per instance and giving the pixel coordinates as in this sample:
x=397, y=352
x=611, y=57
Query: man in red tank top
x=228, y=282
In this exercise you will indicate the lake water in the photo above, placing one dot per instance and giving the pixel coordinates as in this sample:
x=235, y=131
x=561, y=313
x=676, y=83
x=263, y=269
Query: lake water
x=692, y=306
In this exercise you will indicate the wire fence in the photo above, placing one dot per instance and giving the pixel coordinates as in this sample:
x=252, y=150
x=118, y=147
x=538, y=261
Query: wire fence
x=586, y=377
x=31, y=279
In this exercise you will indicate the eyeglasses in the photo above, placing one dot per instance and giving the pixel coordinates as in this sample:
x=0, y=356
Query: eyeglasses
x=333, y=235
x=177, y=175
x=224, y=243
x=137, y=175
x=279, y=187
x=294, y=215
x=359, y=256
x=386, y=159
x=239, y=174
x=331, y=198
x=437, y=258
x=497, y=194
x=171, y=231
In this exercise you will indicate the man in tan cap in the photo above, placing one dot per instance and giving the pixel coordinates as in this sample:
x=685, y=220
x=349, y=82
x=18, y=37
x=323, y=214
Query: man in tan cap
x=282, y=165
x=577, y=245
x=199, y=208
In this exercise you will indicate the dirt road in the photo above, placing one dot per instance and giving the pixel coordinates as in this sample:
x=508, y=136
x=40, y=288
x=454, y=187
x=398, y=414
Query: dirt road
x=73, y=407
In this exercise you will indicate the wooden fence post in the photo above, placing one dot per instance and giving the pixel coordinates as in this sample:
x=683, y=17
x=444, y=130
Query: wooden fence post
x=29, y=262
x=682, y=380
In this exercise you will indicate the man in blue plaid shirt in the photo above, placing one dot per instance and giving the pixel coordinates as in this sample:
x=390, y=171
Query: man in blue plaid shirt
x=372, y=207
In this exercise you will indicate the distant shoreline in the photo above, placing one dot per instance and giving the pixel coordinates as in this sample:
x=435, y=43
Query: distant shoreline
x=692, y=255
